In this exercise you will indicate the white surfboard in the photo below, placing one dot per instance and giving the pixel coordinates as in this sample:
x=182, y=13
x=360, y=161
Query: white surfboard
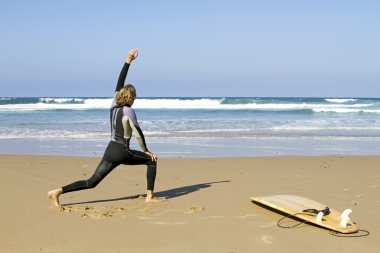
x=291, y=205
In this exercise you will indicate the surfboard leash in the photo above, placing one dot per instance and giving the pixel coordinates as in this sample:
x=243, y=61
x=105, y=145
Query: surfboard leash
x=332, y=232
x=325, y=211
x=362, y=231
x=290, y=216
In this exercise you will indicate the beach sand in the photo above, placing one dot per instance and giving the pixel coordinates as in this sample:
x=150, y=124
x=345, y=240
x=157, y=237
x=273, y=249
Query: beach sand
x=208, y=207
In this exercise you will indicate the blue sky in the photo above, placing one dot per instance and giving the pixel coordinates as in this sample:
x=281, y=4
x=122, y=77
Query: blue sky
x=191, y=48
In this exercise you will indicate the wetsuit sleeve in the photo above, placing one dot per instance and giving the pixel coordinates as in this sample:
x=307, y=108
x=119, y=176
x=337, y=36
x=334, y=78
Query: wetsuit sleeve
x=122, y=76
x=120, y=82
x=130, y=113
x=141, y=139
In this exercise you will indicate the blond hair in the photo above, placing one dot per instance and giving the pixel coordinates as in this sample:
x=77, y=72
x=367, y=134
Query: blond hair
x=126, y=95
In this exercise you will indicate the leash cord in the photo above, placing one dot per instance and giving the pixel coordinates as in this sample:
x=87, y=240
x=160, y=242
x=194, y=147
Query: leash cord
x=332, y=232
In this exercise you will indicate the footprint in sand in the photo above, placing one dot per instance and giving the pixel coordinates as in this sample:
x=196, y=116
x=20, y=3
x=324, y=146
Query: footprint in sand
x=94, y=212
x=195, y=209
x=267, y=239
x=107, y=214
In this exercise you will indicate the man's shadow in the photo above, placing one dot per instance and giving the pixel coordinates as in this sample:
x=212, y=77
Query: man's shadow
x=168, y=194
x=180, y=191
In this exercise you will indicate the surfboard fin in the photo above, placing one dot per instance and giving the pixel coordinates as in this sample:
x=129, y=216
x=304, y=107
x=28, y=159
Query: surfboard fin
x=319, y=217
x=344, y=218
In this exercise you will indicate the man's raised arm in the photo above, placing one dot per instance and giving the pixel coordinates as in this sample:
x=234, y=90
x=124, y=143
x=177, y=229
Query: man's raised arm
x=123, y=74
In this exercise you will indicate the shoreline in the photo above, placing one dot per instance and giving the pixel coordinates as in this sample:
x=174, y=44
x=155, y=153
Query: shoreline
x=204, y=197
x=201, y=157
x=196, y=157
x=217, y=147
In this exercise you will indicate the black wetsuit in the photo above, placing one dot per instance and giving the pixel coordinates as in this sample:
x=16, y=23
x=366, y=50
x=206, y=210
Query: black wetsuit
x=123, y=123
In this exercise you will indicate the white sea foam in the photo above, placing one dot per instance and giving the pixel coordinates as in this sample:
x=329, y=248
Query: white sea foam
x=340, y=100
x=7, y=133
x=215, y=104
x=177, y=103
x=172, y=103
x=61, y=100
x=59, y=104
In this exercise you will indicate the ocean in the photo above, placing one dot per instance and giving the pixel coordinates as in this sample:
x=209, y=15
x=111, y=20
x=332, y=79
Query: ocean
x=196, y=127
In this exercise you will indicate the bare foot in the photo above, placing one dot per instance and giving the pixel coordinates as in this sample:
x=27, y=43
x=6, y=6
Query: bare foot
x=54, y=197
x=154, y=200
x=151, y=199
